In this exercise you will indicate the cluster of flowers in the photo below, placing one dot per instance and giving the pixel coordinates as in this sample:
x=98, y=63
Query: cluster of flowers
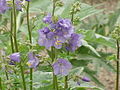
x=6, y=5
x=61, y=67
x=59, y=33
x=32, y=62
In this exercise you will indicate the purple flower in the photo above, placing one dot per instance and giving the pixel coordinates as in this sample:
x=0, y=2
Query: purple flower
x=86, y=79
x=46, y=37
x=15, y=57
x=47, y=19
x=28, y=0
x=3, y=6
x=58, y=33
x=65, y=26
x=62, y=67
x=74, y=42
x=33, y=60
x=18, y=5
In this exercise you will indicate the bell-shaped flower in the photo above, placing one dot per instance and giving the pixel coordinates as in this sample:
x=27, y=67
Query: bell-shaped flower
x=33, y=60
x=15, y=57
x=18, y=5
x=65, y=27
x=28, y=0
x=62, y=67
x=46, y=38
x=86, y=79
x=74, y=42
x=47, y=19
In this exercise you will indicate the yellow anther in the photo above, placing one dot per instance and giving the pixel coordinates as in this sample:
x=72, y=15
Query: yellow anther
x=29, y=64
x=58, y=42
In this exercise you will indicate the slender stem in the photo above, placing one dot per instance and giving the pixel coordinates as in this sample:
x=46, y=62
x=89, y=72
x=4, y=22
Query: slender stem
x=117, y=74
x=28, y=23
x=22, y=74
x=31, y=82
x=6, y=75
x=66, y=82
x=12, y=44
x=55, y=83
x=30, y=39
x=66, y=77
x=15, y=36
x=0, y=83
x=15, y=42
x=53, y=12
x=72, y=18
x=11, y=38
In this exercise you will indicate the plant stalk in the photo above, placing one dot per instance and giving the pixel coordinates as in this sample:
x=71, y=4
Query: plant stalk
x=15, y=25
x=11, y=38
x=15, y=43
x=23, y=79
x=0, y=83
x=117, y=74
x=72, y=18
x=55, y=83
x=66, y=82
x=31, y=78
x=28, y=24
x=30, y=39
x=54, y=6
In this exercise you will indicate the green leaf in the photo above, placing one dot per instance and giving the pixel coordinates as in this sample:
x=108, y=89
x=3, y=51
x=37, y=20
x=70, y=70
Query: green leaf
x=84, y=43
x=92, y=37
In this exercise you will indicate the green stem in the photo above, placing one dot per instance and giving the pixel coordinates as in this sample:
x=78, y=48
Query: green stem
x=66, y=82
x=55, y=83
x=15, y=36
x=53, y=12
x=15, y=42
x=28, y=23
x=11, y=38
x=66, y=78
x=22, y=74
x=0, y=83
x=72, y=18
x=30, y=39
x=6, y=75
x=31, y=82
x=117, y=74
x=12, y=43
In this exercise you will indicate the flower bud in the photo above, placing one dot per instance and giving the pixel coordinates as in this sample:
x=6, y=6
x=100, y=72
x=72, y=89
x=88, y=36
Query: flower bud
x=86, y=79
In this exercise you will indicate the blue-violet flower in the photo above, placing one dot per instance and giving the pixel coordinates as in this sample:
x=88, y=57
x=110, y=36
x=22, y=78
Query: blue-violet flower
x=33, y=60
x=62, y=67
x=15, y=57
